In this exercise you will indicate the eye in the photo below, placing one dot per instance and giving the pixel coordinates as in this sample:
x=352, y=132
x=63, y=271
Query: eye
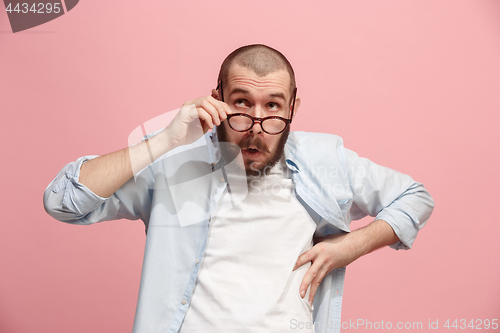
x=240, y=102
x=273, y=106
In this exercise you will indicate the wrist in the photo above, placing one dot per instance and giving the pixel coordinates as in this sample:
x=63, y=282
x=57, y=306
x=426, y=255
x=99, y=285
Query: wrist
x=161, y=144
x=358, y=243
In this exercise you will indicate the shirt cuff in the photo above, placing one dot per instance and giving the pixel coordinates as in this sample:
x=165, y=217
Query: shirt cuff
x=77, y=197
x=406, y=227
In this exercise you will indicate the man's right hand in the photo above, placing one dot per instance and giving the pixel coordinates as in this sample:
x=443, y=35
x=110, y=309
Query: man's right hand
x=194, y=119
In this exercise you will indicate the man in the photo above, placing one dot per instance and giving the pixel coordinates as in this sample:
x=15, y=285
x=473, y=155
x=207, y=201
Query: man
x=224, y=255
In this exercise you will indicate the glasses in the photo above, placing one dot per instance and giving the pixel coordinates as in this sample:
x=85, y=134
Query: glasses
x=242, y=122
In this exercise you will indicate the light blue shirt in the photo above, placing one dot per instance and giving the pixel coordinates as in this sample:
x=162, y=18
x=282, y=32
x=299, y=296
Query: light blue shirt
x=334, y=184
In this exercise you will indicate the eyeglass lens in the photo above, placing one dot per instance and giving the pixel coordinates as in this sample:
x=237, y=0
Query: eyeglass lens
x=242, y=123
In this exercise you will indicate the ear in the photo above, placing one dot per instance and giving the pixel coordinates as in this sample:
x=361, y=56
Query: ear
x=215, y=94
x=296, y=108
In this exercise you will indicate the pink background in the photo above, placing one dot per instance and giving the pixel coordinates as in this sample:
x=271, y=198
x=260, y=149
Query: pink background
x=413, y=85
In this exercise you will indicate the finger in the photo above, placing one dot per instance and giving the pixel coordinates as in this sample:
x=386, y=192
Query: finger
x=224, y=107
x=205, y=119
x=311, y=273
x=221, y=107
x=304, y=258
x=211, y=110
x=316, y=282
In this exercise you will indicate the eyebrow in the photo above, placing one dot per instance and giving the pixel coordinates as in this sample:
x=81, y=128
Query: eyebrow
x=246, y=92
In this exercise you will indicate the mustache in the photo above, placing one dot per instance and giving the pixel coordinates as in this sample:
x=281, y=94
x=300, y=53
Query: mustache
x=248, y=141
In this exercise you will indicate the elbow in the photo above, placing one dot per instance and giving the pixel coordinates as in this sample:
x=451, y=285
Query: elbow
x=426, y=206
x=427, y=199
x=53, y=205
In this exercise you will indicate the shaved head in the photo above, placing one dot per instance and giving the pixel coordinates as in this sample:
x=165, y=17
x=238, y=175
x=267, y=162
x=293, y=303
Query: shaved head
x=261, y=59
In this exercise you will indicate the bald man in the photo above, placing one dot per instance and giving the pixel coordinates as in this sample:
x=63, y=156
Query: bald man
x=232, y=199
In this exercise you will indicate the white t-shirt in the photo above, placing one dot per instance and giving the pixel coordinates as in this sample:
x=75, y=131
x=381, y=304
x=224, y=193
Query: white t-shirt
x=245, y=282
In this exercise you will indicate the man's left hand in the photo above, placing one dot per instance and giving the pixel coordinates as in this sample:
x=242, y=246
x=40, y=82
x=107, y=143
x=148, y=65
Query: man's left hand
x=339, y=250
x=329, y=253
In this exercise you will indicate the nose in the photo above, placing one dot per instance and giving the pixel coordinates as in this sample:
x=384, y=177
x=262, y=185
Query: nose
x=257, y=127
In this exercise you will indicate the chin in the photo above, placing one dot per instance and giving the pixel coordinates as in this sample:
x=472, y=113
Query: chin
x=259, y=169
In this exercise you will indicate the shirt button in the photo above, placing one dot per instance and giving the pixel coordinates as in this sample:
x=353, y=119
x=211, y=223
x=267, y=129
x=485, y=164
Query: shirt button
x=197, y=260
x=221, y=179
x=183, y=301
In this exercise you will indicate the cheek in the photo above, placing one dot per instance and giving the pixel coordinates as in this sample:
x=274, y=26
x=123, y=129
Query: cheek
x=272, y=142
x=234, y=136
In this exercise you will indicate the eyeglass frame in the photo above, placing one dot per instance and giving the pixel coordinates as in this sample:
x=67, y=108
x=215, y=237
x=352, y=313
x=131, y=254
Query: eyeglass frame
x=256, y=119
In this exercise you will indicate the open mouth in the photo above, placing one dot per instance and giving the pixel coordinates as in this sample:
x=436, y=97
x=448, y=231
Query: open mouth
x=251, y=152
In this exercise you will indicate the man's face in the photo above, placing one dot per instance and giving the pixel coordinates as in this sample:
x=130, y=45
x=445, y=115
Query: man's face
x=246, y=92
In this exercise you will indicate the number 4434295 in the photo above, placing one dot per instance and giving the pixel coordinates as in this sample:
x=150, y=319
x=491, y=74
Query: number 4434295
x=477, y=324
x=42, y=8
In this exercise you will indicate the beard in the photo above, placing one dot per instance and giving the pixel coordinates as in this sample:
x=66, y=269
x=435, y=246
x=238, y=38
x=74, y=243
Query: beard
x=228, y=154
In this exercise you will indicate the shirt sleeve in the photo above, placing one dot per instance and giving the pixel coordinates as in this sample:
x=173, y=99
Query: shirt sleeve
x=67, y=200
x=390, y=196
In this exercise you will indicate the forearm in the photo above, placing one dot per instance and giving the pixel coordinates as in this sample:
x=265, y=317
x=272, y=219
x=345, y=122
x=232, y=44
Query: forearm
x=374, y=236
x=105, y=174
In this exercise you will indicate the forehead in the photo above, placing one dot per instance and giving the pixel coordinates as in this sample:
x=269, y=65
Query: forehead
x=242, y=77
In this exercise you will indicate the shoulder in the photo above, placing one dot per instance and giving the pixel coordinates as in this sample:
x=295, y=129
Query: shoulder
x=312, y=141
x=310, y=148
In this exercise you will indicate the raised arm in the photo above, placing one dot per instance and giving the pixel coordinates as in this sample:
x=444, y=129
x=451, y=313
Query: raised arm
x=106, y=174
x=92, y=184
